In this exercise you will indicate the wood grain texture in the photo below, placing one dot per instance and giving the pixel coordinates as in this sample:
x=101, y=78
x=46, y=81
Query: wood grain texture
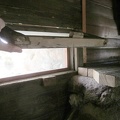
x=45, y=42
x=31, y=100
x=106, y=75
x=84, y=16
x=100, y=19
x=102, y=31
x=113, y=43
x=104, y=3
x=64, y=13
x=90, y=72
x=103, y=54
x=83, y=71
x=99, y=9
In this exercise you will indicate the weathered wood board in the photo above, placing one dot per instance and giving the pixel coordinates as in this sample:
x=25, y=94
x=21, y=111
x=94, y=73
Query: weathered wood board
x=46, y=42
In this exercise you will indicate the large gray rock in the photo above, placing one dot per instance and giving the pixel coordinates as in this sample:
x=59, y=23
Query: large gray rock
x=95, y=101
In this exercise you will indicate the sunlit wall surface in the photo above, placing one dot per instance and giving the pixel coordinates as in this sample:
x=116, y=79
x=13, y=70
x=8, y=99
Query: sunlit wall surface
x=32, y=61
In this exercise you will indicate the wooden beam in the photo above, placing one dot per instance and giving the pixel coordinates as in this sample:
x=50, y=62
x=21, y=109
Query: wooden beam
x=43, y=42
x=107, y=76
x=84, y=16
x=104, y=79
x=103, y=75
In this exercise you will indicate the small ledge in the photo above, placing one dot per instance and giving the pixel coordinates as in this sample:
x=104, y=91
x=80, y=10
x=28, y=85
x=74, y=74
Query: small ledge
x=45, y=80
x=103, y=75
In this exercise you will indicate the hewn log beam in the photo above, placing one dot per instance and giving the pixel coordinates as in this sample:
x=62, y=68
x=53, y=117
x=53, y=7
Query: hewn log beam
x=43, y=42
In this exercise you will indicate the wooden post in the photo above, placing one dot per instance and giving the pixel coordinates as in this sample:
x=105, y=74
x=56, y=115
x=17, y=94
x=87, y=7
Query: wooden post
x=78, y=58
x=84, y=55
x=84, y=16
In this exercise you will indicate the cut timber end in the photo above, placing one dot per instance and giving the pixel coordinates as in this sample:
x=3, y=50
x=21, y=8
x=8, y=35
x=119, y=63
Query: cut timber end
x=90, y=72
x=108, y=76
x=83, y=71
x=96, y=75
x=110, y=80
x=104, y=79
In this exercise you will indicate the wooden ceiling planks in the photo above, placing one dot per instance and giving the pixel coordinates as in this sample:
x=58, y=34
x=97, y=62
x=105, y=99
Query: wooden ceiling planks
x=100, y=19
x=51, y=13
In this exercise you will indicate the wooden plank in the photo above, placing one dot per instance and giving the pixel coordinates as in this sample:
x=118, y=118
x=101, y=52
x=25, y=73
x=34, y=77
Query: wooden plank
x=109, y=81
x=104, y=32
x=100, y=55
x=85, y=71
x=96, y=75
x=104, y=79
x=102, y=69
x=96, y=8
x=45, y=13
x=104, y=3
x=107, y=76
x=107, y=69
x=100, y=21
x=40, y=42
x=114, y=76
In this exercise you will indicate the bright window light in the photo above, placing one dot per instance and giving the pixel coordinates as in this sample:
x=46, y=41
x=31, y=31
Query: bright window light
x=33, y=33
x=3, y=41
x=32, y=61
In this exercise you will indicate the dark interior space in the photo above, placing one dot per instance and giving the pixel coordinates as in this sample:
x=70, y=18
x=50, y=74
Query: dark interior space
x=59, y=60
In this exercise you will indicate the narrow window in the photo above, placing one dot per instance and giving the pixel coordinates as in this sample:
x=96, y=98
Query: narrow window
x=33, y=62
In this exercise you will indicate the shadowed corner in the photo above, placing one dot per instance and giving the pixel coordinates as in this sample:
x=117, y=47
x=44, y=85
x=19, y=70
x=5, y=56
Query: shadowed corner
x=11, y=40
x=116, y=13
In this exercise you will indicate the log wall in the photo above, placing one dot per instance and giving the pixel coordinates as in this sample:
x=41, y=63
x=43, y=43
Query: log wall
x=51, y=13
x=100, y=19
x=101, y=56
x=36, y=99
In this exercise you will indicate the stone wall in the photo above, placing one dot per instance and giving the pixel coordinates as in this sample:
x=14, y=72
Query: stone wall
x=90, y=100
